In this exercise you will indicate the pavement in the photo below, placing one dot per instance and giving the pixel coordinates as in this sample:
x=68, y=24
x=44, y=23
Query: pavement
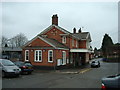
x=74, y=70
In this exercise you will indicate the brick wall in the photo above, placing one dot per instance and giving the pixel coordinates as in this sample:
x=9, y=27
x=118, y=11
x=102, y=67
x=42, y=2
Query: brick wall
x=82, y=44
x=57, y=54
x=38, y=42
x=54, y=33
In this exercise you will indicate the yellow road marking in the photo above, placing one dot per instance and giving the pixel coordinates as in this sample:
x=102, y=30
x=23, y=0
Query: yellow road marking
x=85, y=70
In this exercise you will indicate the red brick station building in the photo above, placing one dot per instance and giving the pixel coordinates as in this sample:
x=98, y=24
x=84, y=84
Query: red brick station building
x=56, y=47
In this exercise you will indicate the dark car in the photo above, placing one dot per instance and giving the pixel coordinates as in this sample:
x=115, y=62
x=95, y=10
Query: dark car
x=104, y=59
x=26, y=67
x=111, y=82
x=95, y=64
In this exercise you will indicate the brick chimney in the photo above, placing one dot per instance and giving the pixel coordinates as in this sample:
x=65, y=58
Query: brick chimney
x=74, y=30
x=55, y=19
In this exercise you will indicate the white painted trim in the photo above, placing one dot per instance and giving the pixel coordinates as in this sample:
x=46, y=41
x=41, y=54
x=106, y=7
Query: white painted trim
x=62, y=48
x=63, y=34
x=52, y=44
x=38, y=56
x=88, y=37
x=47, y=41
x=79, y=50
x=48, y=56
x=29, y=41
x=25, y=55
x=64, y=39
x=64, y=61
x=44, y=41
x=47, y=29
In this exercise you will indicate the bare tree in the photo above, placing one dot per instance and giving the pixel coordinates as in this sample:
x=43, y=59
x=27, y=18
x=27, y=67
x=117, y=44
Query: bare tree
x=4, y=41
x=18, y=40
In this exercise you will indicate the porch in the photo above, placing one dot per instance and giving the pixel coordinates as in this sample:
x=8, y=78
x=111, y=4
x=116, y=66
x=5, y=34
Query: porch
x=79, y=57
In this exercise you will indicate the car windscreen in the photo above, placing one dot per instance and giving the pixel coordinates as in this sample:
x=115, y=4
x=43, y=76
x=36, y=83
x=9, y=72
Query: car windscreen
x=7, y=63
x=19, y=63
x=93, y=62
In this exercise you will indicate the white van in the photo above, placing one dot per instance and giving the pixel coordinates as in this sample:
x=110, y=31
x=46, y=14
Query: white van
x=8, y=68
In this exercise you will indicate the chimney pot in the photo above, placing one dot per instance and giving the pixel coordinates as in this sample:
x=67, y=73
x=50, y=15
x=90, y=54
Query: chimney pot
x=79, y=31
x=55, y=19
x=74, y=30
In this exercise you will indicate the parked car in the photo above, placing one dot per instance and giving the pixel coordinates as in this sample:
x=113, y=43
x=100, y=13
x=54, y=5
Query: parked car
x=95, y=64
x=104, y=59
x=111, y=82
x=8, y=68
x=26, y=67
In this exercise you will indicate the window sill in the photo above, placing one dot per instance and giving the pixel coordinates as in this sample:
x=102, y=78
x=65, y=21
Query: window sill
x=50, y=61
x=26, y=60
x=38, y=61
x=64, y=42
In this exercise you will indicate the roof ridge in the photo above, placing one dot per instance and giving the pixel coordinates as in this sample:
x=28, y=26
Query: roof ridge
x=60, y=28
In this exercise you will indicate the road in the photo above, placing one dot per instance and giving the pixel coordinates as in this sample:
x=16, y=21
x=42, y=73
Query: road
x=87, y=78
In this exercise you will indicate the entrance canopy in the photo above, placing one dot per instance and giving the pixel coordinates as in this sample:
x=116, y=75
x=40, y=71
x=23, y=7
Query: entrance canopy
x=80, y=50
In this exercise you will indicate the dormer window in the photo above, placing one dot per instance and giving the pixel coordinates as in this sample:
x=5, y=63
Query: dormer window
x=64, y=39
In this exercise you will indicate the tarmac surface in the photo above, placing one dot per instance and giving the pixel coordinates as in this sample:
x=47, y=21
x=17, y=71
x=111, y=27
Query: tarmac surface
x=83, y=77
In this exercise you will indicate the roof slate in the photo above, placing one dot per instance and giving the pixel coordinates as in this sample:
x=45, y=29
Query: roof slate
x=82, y=35
x=79, y=36
x=54, y=42
x=11, y=49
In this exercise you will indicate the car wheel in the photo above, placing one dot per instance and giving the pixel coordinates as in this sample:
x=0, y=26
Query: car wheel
x=29, y=72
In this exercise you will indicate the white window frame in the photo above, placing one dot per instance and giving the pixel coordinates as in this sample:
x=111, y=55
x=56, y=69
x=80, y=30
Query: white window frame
x=37, y=60
x=26, y=55
x=64, y=39
x=49, y=56
x=64, y=58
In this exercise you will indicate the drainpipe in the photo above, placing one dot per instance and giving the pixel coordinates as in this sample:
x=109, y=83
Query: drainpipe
x=54, y=57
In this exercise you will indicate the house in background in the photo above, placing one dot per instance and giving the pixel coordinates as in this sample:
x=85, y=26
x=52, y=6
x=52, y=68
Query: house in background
x=56, y=47
x=12, y=53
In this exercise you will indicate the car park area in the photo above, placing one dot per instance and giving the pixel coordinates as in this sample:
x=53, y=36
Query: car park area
x=85, y=78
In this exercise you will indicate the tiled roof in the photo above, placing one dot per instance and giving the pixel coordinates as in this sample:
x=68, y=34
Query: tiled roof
x=37, y=47
x=11, y=49
x=82, y=35
x=79, y=36
x=54, y=42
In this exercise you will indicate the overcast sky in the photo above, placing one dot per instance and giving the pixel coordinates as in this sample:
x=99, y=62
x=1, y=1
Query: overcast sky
x=31, y=18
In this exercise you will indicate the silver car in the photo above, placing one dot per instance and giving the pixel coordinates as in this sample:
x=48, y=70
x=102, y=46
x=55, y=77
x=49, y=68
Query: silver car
x=95, y=64
x=8, y=68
